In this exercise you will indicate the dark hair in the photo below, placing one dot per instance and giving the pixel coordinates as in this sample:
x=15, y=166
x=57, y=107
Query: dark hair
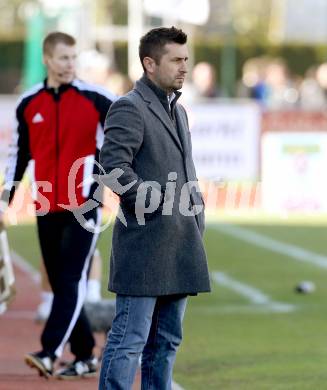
x=52, y=39
x=153, y=42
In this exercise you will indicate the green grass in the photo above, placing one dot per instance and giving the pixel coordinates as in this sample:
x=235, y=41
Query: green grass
x=228, y=344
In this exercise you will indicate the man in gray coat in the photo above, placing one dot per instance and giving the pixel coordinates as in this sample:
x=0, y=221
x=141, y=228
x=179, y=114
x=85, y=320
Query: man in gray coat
x=157, y=257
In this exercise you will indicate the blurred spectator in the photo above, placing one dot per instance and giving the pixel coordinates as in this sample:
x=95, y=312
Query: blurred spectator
x=204, y=80
x=268, y=81
x=282, y=92
x=93, y=67
x=253, y=84
x=313, y=88
x=203, y=84
x=322, y=76
x=119, y=83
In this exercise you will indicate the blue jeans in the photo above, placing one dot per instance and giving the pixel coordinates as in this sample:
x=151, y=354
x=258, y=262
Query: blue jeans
x=151, y=326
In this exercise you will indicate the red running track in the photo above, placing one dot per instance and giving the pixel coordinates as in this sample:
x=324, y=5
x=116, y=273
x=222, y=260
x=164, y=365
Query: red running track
x=19, y=334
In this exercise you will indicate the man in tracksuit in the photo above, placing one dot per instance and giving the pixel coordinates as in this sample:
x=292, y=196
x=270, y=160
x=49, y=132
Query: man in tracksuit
x=60, y=123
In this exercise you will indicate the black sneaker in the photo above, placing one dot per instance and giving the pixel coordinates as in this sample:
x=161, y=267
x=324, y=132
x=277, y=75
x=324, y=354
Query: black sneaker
x=78, y=369
x=42, y=362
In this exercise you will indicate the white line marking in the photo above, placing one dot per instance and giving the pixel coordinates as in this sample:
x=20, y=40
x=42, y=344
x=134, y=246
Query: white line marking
x=254, y=295
x=24, y=266
x=238, y=309
x=265, y=242
x=176, y=386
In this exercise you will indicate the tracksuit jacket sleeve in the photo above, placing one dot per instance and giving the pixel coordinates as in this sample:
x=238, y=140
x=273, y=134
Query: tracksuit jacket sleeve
x=124, y=130
x=18, y=156
x=103, y=104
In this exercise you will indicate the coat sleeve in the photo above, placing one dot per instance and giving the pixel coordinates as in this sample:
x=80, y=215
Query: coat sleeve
x=185, y=115
x=124, y=133
x=18, y=156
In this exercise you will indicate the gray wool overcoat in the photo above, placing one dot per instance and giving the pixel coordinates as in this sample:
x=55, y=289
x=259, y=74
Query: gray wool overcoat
x=162, y=253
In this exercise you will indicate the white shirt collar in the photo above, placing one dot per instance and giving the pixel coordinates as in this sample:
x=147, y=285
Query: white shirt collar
x=171, y=97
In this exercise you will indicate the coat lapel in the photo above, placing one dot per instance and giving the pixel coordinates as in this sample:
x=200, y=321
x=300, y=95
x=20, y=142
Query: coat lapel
x=156, y=107
x=182, y=127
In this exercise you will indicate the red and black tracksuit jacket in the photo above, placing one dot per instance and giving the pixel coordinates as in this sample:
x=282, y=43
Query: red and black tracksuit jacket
x=56, y=128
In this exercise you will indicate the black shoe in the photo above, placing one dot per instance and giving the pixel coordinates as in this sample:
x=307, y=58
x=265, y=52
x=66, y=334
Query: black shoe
x=41, y=361
x=78, y=369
